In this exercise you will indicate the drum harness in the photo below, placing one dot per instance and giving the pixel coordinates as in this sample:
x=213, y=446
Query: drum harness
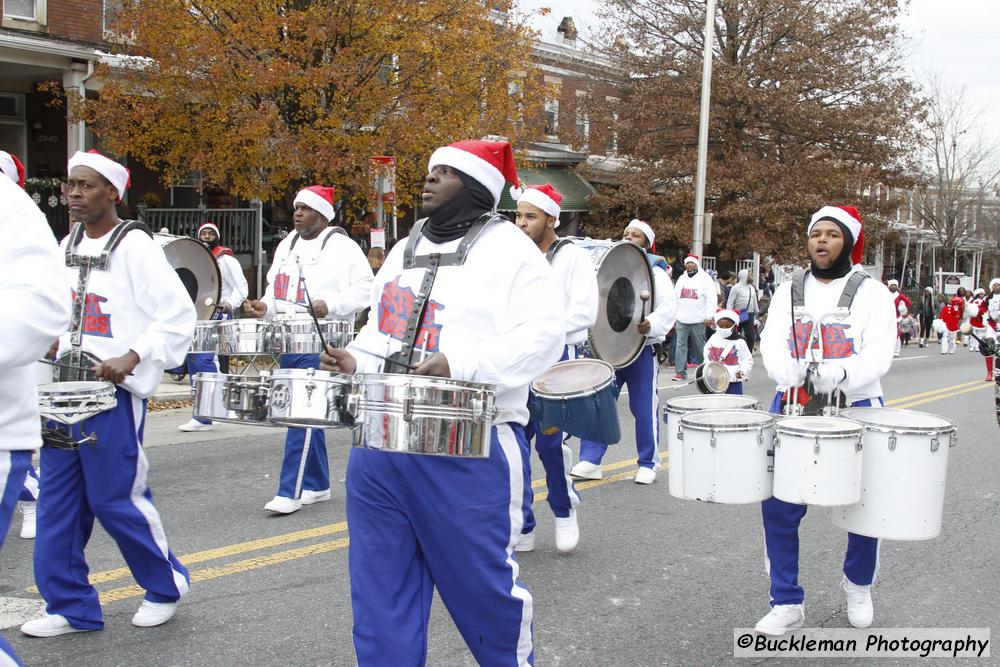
x=330, y=233
x=814, y=345
x=59, y=438
x=403, y=359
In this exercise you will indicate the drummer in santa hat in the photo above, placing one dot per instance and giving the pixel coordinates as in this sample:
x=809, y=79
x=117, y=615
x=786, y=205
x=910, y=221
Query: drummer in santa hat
x=857, y=352
x=728, y=348
x=321, y=265
x=538, y=217
x=418, y=522
x=641, y=374
x=900, y=302
x=234, y=293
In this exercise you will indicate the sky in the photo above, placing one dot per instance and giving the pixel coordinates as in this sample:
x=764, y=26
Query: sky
x=957, y=38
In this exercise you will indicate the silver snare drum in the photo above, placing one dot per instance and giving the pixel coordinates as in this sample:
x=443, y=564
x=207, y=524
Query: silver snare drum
x=296, y=334
x=423, y=415
x=308, y=397
x=244, y=337
x=206, y=337
x=71, y=402
x=239, y=399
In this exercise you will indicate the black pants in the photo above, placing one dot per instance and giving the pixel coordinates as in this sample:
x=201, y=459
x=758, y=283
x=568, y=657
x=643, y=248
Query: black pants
x=749, y=331
x=925, y=327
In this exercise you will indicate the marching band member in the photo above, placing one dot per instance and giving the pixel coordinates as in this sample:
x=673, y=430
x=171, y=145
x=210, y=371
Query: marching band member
x=34, y=293
x=325, y=262
x=538, y=216
x=12, y=168
x=640, y=375
x=137, y=317
x=951, y=315
x=729, y=349
x=977, y=308
x=424, y=522
x=857, y=353
x=234, y=293
x=900, y=302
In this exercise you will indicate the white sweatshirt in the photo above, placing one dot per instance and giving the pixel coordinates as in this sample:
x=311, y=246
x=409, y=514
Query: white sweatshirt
x=863, y=343
x=339, y=275
x=732, y=353
x=697, y=298
x=576, y=279
x=137, y=304
x=234, y=283
x=496, y=318
x=36, y=304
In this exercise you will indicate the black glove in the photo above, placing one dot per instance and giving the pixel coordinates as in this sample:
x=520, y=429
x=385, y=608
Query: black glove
x=987, y=347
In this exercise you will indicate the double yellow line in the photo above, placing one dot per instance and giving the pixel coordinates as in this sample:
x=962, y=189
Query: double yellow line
x=340, y=528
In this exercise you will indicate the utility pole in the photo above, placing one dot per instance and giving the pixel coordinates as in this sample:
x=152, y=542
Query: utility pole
x=706, y=97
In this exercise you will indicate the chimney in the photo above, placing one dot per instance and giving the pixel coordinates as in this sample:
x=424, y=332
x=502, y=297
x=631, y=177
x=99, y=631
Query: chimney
x=568, y=30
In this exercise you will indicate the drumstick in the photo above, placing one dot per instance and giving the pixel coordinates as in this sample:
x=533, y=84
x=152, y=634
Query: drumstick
x=384, y=358
x=69, y=366
x=644, y=296
x=305, y=288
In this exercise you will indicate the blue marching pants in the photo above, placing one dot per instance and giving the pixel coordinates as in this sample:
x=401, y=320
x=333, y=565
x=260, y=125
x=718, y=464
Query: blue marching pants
x=781, y=539
x=305, y=464
x=29, y=490
x=644, y=401
x=735, y=388
x=106, y=480
x=200, y=362
x=557, y=459
x=423, y=522
x=14, y=467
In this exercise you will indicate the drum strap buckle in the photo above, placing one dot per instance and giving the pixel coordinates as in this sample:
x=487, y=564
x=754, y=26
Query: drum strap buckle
x=935, y=444
x=815, y=444
x=892, y=442
x=711, y=440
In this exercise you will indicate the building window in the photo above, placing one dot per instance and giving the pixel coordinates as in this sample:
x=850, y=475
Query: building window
x=13, y=130
x=582, y=119
x=112, y=8
x=554, y=85
x=20, y=9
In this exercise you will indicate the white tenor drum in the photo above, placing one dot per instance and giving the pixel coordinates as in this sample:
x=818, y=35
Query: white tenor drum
x=673, y=411
x=423, y=415
x=727, y=455
x=307, y=397
x=817, y=461
x=903, y=482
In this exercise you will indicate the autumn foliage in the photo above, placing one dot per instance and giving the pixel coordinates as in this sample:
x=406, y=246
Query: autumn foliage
x=263, y=96
x=809, y=106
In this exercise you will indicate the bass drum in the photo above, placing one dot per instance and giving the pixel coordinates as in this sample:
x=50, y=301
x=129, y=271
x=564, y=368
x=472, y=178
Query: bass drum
x=197, y=269
x=623, y=273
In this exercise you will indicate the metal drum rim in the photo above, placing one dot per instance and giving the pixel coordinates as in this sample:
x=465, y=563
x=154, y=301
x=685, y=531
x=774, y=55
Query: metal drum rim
x=851, y=428
x=686, y=420
x=671, y=407
x=578, y=394
x=423, y=382
x=885, y=428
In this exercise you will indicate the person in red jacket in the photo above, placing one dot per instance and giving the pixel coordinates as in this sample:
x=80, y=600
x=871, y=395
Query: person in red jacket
x=899, y=302
x=951, y=315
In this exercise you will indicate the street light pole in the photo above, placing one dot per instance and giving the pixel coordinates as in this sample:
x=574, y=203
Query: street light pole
x=706, y=96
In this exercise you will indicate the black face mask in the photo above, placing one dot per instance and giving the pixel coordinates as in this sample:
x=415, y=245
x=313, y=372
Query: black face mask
x=842, y=265
x=213, y=244
x=452, y=219
x=691, y=273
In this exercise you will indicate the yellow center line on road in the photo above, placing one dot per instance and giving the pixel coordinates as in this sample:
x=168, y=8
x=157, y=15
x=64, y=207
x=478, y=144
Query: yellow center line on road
x=277, y=557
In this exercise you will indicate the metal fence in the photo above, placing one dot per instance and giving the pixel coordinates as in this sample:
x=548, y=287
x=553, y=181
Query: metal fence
x=237, y=226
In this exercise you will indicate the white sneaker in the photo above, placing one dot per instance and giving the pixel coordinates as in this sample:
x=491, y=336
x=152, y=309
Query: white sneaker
x=567, y=533
x=645, y=476
x=195, y=425
x=312, y=497
x=50, y=625
x=781, y=619
x=587, y=470
x=151, y=614
x=860, y=611
x=525, y=543
x=283, y=505
x=28, y=519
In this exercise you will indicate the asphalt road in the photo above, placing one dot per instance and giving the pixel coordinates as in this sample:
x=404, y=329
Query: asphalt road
x=655, y=580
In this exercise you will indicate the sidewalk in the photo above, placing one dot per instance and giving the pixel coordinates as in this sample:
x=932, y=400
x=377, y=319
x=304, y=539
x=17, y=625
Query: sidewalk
x=172, y=391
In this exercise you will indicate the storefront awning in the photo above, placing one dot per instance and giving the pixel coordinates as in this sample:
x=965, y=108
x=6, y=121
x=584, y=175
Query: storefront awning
x=573, y=188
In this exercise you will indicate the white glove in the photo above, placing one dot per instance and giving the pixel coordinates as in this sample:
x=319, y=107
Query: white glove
x=792, y=374
x=827, y=376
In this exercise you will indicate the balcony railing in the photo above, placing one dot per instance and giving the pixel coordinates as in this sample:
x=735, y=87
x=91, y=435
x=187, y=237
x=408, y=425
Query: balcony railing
x=238, y=227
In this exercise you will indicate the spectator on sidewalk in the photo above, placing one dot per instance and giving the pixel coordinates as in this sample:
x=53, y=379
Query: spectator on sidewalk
x=696, y=306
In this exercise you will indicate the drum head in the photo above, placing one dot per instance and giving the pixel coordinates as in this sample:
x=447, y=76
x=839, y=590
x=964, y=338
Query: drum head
x=711, y=402
x=712, y=378
x=819, y=425
x=623, y=273
x=729, y=418
x=896, y=418
x=576, y=377
x=197, y=269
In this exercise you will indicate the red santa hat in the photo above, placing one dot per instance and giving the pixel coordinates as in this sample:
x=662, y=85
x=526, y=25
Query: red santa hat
x=488, y=162
x=319, y=198
x=116, y=173
x=545, y=197
x=849, y=217
x=726, y=314
x=212, y=226
x=693, y=258
x=892, y=281
x=643, y=227
x=12, y=168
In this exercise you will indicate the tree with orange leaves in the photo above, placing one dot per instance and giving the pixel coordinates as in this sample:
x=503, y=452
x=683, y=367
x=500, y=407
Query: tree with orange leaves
x=262, y=96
